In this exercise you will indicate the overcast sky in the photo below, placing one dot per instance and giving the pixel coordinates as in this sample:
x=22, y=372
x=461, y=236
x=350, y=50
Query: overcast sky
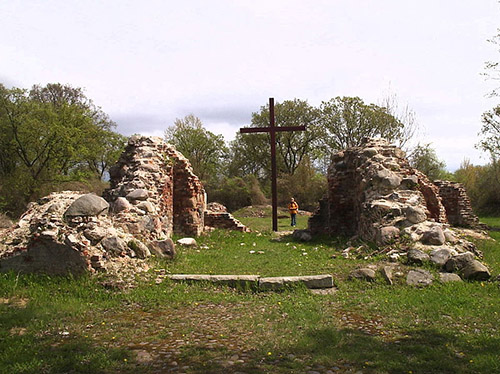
x=146, y=63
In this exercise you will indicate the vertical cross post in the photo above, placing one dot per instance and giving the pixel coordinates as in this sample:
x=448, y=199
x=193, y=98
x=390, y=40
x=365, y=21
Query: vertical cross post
x=272, y=129
x=274, y=187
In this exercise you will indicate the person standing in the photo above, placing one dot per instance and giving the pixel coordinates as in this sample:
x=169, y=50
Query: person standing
x=293, y=207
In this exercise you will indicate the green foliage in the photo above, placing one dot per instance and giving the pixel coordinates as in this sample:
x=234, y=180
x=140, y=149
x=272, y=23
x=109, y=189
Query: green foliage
x=206, y=151
x=490, y=133
x=307, y=186
x=425, y=159
x=233, y=193
x=50, y=135
x=481, y=183
x=347, y=120
x=250, y=152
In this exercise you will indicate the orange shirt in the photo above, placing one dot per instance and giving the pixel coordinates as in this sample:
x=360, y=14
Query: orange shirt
x=293, y=207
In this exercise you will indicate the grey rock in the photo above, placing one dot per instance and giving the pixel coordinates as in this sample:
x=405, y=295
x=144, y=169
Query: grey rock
x=409, y=182
x=121, y=204
x=138, y=194
x=416, y=256
x=46, y=256
x=87, y=205
x=146, y=206
x=387, y=178
x=387, y=234
x=302, y=235
x=419, y=277
x=459, y=262
x=415, y=214
x=440, y=256
x=163, y=248
x=475, y=270
x=363, y=274
x=370, y=152
x=434, y=236
x=139, y=248
x=188, y=242
x=387, y=273
x=228, y=280
x=450, y=236
x=449, y=277
x=95, y=235
x=114, y=245
x=310, y=281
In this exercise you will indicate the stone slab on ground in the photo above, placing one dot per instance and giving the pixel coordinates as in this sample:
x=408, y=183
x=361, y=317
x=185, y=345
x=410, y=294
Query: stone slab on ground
x=310, y=281
x=269, y=283
x=228, y=280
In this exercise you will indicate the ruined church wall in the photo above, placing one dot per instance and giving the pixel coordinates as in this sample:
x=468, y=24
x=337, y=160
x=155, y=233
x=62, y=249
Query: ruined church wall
x=457, y=204
x=154, y=192
x=373, y=191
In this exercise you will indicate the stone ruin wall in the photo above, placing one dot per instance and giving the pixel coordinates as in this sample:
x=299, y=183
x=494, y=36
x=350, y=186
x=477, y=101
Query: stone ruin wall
x=457, y=204
x=154, y=191
x=372, y=192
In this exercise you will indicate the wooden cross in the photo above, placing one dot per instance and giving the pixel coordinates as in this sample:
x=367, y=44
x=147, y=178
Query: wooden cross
x=272, y=129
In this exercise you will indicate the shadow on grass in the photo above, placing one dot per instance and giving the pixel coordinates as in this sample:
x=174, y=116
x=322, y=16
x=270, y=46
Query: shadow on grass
x=28, y=354
x=420, y=351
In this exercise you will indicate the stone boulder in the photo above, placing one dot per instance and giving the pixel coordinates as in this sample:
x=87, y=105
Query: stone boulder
x=440, y=256
x=365, y=274
x=87, y=205
x=187, y=242
x=163, y=248
x=419, y=277
x=434, y=236
x=449, y=277
x=302, y=235
x=416, y=256
x=467, y=265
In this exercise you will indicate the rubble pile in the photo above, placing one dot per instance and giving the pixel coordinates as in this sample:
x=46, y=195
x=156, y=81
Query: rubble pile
x=374, y=195
x=153, y=193
x=69, y=232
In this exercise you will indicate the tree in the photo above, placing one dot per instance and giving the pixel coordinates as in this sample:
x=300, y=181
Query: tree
x=251, y=153
x=347, y=120
x=481, y=183
x=492, y=71
x=206, y=151
x=405, y=116
x=425, y=159
x=490, y=133
x=50, y=135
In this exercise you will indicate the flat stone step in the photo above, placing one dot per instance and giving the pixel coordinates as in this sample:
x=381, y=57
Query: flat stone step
x=267, y=283
x=228, y=280
x=310, y=281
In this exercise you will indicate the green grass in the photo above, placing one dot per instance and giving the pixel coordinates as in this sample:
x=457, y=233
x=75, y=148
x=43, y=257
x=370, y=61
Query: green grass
x=491, y=221
x=66, y=325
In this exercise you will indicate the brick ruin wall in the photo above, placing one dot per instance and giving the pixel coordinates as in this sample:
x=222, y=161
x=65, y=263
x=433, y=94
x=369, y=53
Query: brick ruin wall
x=154, y=191
x=371, y=188
x=457, y=204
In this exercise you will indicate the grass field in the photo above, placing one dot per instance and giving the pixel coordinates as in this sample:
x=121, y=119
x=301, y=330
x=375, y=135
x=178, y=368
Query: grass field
x=65, y=325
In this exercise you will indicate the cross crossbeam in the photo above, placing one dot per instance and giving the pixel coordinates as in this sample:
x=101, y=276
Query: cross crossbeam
x=272, y=130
